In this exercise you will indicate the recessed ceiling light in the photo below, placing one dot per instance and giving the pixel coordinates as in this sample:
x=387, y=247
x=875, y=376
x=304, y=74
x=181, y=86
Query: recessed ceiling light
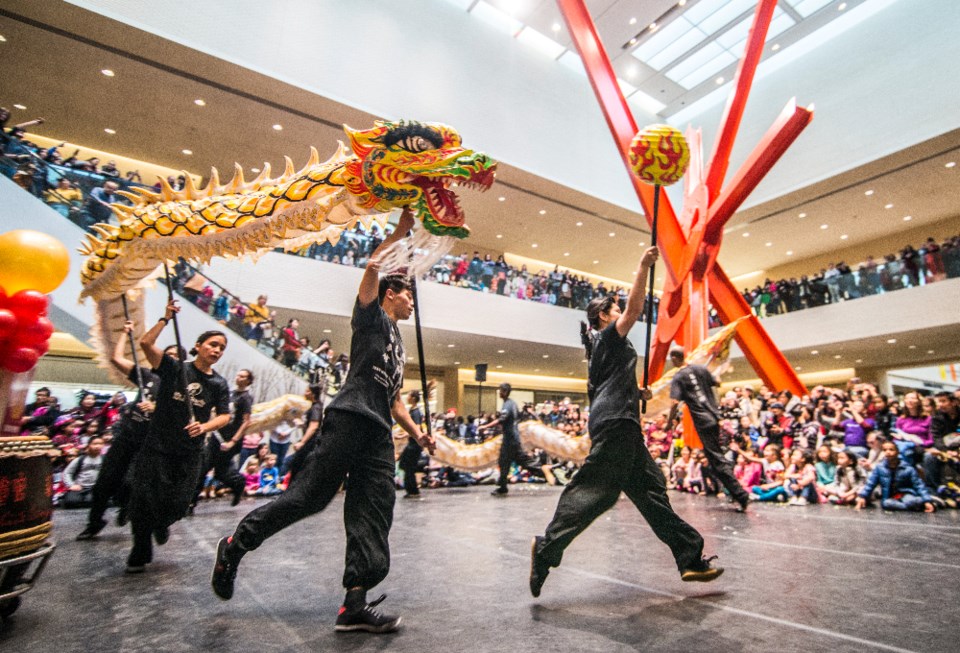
x=653, y=27
x=534, y=245
x=789, y=252
x=912, y=347
x=566, y=253
x=844, y=237
x=769, y=244
x=888, y=206
x=200, y=103
x=611, y=234
x=19, y=106
x=929, y=351
x=500, y=351
x=555, y=27
x=798, y=368
x=859, y=360
x=327, y=331
x=892, y=341
x=110, y=131
x=536, y=369
x=868, y=193
x=502, y=199
x=802, y=215
x=570, y=373
x=842, y=6
x=907, y=218
x=3, y=39
x=595, y=262
x=499, y=235
x=583, y=360
x=838, y=357
x=188, y=152
x=579, y=224
x=499, y=367
x=814, y=352
x=681, y=3
x=254, y=169
x=746, y=234
x=456, y=362
x=776, y=46
x=642, y=243
x=950, y=164
x=278, y=127
x=543, y=211
x=546, y=355
x=108, y=72
x=719, y=80
x=633, y=21
x=451, y=346
x=823, y=226
x=633, y=41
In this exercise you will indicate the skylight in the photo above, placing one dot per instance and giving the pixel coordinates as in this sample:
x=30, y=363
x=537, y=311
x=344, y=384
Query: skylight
x=809, y=7
x=536, y=40
x=496, y=18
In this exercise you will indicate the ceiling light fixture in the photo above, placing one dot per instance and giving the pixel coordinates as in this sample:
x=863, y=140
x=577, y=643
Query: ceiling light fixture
x=254, y=169
x=892, y=341
x=789, y=252
x=595, y=262
x=500, y=351
x=200, y=103
x=555, y=27
x=776, y=46
x=823, y=226
x=814, y=352
x=912, y=347
x=798, y=368
x=868, y=193
x=499, y=235
x=534, y=245
x=536, y=369
x=633, y=21
x=579, y=224
x=110, y=131
x=929, y=351
x=19, y=106
x=278, y=127
x=746, y=234
x=844, y=237
x=566, y=253
x=802, y=215
x=719, y=80
x=108, y=72
x=456, y=362
x=612, y=234
x=907, y=218
x=769, y=244
x=888, y=206
x=842, y=6
x=327, y=331
x=633, y=41
x=499, y=367
x=837, y=357
x=950, y=164
x=546, y=355
x=187, y=152
x=3, y=39
x=543, y=211
x=502, y=199
x=859, y=360
x=451, y=346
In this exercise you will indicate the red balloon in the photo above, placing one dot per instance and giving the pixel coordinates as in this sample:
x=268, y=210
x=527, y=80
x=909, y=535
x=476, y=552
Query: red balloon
x=3, y=298
x=8, y=323
x=34, y=332
x=21, y=359
x=41, y=348
x=29, y=302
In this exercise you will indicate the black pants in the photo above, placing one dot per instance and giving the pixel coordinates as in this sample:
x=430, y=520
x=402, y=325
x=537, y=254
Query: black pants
x=221, y=462
x=163, y=488
x=720, y=466
x=348, y=444
x=112, y=482
x=618, y=462
x=410, y=464
x=511, y=452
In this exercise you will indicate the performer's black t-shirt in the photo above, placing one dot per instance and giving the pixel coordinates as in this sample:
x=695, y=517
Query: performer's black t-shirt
x=315, y=413
x=509, y=415
x=134, y=421
x=241, y=405
x=376, y=366
x=207, y=392
x=693, y=385
x=612, y=379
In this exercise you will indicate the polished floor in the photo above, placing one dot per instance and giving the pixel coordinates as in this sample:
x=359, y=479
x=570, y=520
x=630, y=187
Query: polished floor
x=808, y=579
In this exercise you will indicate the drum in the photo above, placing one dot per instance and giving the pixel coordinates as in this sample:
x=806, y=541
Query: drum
x=26, y=501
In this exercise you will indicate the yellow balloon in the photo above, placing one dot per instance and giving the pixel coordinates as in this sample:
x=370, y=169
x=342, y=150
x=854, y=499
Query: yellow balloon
x=31, y=260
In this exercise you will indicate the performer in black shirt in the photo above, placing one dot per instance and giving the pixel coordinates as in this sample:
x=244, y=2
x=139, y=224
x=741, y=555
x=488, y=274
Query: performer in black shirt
x=410, y=456
x=355, y=438
x=510, y=449
x=313, y=418
x=169, y=462
x=128, y=434
x=618, y=460
x=693, y=385
x=221, y=447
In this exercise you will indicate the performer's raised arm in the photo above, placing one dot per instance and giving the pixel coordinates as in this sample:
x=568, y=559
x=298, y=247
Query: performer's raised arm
x=369, y=285
x=634, y=308
x=148, y=341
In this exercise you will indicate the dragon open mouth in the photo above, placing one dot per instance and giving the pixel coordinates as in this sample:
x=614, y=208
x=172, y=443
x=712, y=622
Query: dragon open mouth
x=443, y=203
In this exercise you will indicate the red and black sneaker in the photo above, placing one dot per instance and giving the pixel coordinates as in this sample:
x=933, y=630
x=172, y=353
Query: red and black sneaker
x=224, y=571
x=366, y=619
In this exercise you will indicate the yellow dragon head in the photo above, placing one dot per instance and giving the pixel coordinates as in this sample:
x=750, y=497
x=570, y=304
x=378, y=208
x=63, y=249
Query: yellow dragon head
x=414, y=164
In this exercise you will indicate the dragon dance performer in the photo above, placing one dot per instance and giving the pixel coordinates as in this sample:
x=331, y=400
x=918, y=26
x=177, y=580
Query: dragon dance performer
x=169, y=463
x=410, y=456
x=355, y=439
x=128, y=435
x=693, y=385
x=510, y=448
x=618, y=460
x=222, y=446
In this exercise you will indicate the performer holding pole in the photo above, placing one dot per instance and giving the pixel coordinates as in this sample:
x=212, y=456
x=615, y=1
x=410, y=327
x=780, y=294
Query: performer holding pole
x=355, y=438
x=192, y=400
x=618, y=460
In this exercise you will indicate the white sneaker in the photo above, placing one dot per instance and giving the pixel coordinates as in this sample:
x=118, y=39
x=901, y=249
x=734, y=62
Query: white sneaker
x=798, y=501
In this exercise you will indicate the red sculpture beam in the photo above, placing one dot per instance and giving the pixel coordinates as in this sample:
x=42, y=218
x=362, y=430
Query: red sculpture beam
x=756, y=344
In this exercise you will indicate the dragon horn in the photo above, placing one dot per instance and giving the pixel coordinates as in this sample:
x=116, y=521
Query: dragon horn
x=105, y=230
x=262, y=177
x=189, y=188
x=214, y=184
x=290, y=171
x=166, y=190
x=237, y=182
x=136, y=199
x=312, y=161
x=122, y=211
x=147, y=196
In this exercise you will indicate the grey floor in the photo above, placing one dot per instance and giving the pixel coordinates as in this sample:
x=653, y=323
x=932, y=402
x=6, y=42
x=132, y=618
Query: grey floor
x=808, y=579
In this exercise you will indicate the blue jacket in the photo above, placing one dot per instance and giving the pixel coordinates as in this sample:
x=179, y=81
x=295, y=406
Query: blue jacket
x=904, y=480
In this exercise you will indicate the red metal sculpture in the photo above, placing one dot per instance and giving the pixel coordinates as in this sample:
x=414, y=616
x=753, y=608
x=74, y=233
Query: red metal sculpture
x=690, y=245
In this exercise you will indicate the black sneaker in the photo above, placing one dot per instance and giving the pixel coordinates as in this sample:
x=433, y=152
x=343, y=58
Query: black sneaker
x=366, y=619
x=123, y=516
x=161, y=535
x=701, y=572
x=500, y=492
x=91, y=531
x=742, y=504
x=135, y=569
x=237, y=497
x=538, y=570
x=224, y=571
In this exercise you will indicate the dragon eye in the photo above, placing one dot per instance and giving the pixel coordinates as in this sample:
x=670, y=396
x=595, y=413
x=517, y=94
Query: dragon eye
x=416, y=144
